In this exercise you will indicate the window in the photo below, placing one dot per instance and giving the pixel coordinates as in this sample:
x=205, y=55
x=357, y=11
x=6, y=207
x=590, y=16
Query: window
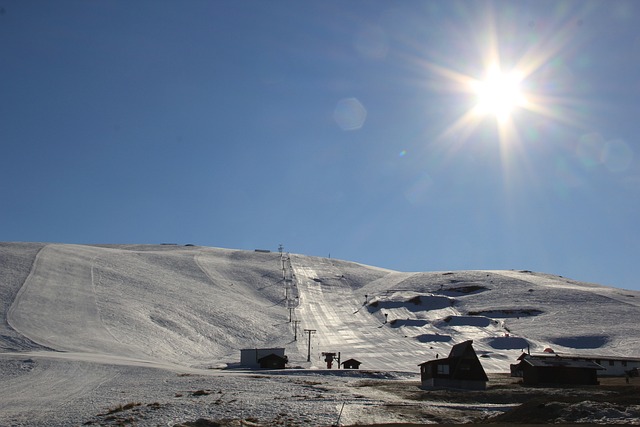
x=624, y=363
x=443, y=370
x=611, y=362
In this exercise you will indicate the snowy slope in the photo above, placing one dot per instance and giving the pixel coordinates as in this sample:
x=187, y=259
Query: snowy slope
x=86, y=329
x=504, y=312
x=166, y=303
x=195, y=306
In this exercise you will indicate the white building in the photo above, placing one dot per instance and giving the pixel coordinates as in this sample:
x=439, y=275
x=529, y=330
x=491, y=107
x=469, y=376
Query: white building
x=614, y=366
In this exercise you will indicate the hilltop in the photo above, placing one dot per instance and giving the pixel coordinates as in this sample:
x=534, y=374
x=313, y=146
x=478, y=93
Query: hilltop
x=187, y=309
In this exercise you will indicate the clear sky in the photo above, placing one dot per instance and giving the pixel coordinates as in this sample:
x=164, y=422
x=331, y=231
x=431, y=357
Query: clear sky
x=412, y=135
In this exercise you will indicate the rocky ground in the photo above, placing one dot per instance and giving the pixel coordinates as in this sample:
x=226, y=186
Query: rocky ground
x=506, y=401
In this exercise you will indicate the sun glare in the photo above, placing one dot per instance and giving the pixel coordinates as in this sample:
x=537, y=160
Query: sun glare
x=498, y=94
x=504, y=90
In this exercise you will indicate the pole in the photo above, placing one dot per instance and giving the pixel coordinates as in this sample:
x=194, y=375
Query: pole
x=309, y=331
x=295, y=330
x=340, y=415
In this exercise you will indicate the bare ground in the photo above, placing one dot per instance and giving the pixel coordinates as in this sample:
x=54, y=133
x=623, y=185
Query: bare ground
x=505, y=402
x=513, y=403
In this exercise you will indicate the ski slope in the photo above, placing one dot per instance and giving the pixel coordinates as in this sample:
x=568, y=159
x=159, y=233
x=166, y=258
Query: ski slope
x=185, y=306
x=401, y=319
x=194, y=307
x=78, y=319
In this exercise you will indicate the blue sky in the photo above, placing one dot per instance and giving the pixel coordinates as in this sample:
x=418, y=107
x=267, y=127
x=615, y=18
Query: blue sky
x=346, y=128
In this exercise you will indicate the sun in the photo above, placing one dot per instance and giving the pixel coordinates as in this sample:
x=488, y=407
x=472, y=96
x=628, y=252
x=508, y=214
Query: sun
x=499, y=94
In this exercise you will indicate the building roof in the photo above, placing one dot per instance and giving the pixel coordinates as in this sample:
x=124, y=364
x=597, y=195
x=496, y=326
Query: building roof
x=272, y=356
x=459, y=349
x=598, y=357
x=554, y=362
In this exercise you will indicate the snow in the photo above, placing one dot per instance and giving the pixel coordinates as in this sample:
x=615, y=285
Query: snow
x=87, y=328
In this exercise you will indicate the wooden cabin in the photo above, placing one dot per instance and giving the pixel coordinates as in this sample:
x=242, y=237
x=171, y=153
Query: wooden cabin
x=556, y=370
x=250, y=357
x=461, y=370
x=273, y=361
x=351, y=364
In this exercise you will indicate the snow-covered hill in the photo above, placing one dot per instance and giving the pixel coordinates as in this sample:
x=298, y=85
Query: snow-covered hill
x=196, y=306
x=188, y=307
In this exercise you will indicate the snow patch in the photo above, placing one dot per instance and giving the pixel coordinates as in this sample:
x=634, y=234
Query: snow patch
x=478, y=321
x=508, y=343
x=463, y=289
x=414, y=304
x=433, y=338
x=397, y=323
x=583, y=341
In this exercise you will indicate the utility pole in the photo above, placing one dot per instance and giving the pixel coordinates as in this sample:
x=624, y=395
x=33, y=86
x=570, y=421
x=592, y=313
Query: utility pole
x=288, y=283
x=309, y=331
x=291, y=305
x=295, y=330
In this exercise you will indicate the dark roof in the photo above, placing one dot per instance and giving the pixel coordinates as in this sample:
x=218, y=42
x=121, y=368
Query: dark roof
x=549, y=362
x=272, y=356
x=582, y=356
x=459, y=349
x=351, y=361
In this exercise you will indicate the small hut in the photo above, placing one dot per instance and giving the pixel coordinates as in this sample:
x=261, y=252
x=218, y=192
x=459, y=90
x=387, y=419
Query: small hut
x=250, y=357
x=351, y=364
x=272, y=361
x=461, y=370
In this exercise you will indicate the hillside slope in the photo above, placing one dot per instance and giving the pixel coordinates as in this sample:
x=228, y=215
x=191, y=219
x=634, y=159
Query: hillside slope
x=197, y=307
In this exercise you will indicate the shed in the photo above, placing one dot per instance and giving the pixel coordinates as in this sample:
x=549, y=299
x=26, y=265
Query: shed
x=249, y=357
x=273, y=361
x=351, y=364
x=462, y=369
x=556, y=370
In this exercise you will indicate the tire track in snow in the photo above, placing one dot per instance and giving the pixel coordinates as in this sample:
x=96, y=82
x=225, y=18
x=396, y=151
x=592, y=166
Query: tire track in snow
x=29, y=344
x=57, y=305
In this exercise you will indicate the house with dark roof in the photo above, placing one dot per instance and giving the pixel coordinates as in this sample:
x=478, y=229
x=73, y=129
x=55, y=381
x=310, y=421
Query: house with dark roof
x=461, y=370
x=614, y=366
x=252, y=358
x=555, y=370
x=273, y=361
x=351, y=364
